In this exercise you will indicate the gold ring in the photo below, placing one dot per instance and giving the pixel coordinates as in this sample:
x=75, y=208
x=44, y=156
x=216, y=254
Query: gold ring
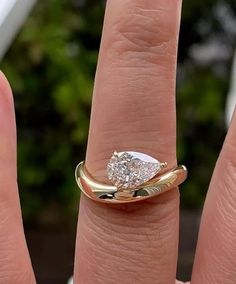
x=135, y=177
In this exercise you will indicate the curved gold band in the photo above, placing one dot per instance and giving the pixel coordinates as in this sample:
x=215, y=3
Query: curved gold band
x=110, y=194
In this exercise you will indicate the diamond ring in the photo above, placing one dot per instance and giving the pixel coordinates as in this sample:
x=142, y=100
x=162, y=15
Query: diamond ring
x=134, y=176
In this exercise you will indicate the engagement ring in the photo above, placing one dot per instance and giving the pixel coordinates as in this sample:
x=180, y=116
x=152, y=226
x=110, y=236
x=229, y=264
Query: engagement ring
x=134, y=176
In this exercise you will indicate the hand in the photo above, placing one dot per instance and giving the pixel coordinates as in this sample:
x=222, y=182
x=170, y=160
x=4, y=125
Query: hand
x=133, y=109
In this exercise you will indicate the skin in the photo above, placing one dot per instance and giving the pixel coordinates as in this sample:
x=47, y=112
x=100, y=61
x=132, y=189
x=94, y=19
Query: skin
x=133, y=109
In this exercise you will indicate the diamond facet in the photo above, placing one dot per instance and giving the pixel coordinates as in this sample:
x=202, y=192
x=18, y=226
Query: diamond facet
x=128, y=170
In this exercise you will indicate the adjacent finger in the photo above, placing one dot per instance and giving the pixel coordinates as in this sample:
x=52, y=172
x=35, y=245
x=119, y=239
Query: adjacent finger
x=15, y=265
x=133, y=109
x=215, y=260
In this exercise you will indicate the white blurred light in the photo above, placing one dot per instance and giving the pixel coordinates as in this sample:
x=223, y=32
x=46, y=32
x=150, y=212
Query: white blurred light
x=209, y=52
x=70, y=281
x=231, y=99
x=5, y=8
x=12, y=15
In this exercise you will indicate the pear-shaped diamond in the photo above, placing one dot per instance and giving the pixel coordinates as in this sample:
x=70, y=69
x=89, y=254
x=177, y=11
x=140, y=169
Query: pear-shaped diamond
x=131, y=169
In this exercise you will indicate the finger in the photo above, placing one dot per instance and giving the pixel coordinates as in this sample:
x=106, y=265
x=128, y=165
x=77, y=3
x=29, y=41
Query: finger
x=134, y=95
x=133, y=109
x=215, y=259
x=15, y=266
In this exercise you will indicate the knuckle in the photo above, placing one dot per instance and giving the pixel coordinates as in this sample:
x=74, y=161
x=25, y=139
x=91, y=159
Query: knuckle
x=15, y=266
x=226, y=177
x=143, y=31
x=20, y=277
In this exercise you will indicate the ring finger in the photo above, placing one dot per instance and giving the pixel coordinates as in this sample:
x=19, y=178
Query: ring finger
x=133, y=109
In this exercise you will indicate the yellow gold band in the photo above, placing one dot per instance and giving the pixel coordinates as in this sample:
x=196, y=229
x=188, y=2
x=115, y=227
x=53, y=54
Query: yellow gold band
x=111, y=194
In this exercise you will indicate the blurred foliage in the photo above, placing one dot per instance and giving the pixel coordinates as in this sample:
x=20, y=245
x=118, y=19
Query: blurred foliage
x=51, y=67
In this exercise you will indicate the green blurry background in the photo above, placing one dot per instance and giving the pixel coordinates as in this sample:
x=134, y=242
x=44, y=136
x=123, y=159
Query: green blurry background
x=51, y=66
